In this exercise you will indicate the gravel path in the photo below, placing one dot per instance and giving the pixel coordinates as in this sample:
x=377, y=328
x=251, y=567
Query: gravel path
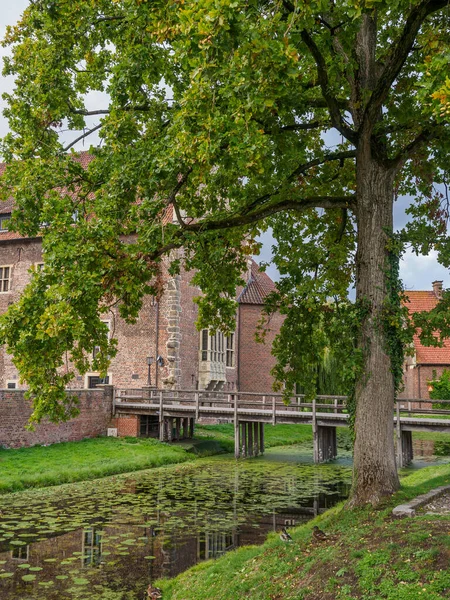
x=439, y=505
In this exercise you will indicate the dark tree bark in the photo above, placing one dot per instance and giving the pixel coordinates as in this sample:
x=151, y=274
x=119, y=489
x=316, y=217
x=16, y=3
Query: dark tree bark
x=375, y=472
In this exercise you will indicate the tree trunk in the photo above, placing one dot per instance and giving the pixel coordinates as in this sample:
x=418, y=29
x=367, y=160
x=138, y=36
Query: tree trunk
x=374, y=470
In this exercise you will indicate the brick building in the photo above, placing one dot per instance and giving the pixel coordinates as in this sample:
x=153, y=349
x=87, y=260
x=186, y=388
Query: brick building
x=188, y=359
x=427, y=361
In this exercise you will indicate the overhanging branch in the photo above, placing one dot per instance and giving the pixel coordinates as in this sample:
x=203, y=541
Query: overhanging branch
x=81, y=137
x=397, y=56
x=427, y=134
x=301, y=170
x=330, y=100
x=232, y=221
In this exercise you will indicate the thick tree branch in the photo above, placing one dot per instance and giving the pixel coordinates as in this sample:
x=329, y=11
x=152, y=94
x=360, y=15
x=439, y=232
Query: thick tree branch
x=90, y=113
x=330, y=100
x=231, y=221
x=397, y=56
x=300, y=170
x=297, y=127
x=304, y=126
x=427, y=134
x=268, y=210
x=81, y=137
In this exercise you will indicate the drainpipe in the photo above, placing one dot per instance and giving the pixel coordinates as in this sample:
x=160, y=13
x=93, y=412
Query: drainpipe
x=156, y=343
x=418, y=379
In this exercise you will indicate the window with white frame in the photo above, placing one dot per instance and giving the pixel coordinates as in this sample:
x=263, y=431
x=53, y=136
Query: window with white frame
x=5, y=279
x=93, y=380
x=213, y=346
x=4, y=220
x=230, y=350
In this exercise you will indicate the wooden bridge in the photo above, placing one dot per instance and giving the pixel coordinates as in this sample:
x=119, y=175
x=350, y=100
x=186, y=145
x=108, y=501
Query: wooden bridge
x=177, y=410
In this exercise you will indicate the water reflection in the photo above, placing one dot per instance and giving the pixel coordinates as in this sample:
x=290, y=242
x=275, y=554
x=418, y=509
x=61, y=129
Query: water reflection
x=109, y=539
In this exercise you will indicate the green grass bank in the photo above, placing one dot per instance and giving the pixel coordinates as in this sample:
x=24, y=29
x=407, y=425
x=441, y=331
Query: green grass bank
x=368, y=555
x=41, y=466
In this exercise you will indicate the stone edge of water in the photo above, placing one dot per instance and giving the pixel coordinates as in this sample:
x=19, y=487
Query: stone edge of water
x=409, y=510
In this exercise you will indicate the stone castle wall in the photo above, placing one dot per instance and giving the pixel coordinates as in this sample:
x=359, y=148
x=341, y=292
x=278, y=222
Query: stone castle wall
x=94, y=419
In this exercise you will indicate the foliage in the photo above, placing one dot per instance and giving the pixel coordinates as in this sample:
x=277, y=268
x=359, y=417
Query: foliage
x=395, y=319
x=224, y=118
x=441, y=388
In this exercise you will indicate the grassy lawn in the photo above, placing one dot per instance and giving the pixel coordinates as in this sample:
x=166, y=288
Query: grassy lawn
x=368, y=554
x=42, y=466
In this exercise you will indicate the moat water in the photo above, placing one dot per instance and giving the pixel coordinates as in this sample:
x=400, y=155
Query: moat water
x=108, y=539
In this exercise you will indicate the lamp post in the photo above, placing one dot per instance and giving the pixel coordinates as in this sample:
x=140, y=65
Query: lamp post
x=150, y=361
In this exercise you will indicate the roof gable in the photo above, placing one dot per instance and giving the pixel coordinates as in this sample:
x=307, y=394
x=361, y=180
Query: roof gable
x=259, y=286
x=420, y=301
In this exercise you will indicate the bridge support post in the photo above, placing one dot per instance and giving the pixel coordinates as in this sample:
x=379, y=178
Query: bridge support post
x=161, y=418
x=261, y=437
x=325, y=444
x=185, y=427
x=405, y=452
x=316, y=454
x=191, y=427
x=255, y=439
x=237, y=434
x=250, y=439
x=244, y=439
x=170, y=429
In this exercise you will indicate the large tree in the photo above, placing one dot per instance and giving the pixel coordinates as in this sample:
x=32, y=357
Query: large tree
x=235, y=115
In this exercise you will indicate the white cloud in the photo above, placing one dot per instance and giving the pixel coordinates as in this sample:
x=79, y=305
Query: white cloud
x=418, y=272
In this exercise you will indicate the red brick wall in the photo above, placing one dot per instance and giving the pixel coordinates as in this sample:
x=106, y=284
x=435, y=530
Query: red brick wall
x=255, y=359
x=127, y=425
x=94, y=418
x=416, y=380
x=20, y=255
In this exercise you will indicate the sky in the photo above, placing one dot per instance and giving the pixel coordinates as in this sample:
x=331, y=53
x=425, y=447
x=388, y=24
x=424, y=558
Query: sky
x=417, y=272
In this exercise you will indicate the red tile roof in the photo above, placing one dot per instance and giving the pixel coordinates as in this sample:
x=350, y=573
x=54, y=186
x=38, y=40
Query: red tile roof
x=425, y=301
x=259, y=285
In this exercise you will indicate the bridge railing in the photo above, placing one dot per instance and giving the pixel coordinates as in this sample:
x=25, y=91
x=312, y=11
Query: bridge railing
x=272, y=402
x=423, y=407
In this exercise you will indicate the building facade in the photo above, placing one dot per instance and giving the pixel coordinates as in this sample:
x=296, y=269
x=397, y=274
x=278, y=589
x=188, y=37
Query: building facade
x=426, y=362
x=163, y=348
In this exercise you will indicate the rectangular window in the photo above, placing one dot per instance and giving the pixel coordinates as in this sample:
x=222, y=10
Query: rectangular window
x=230, y=350
x=95, y=380
x=5, y=281
x=20, y=553
x=4, y=220
x=205, y=336
x=92, y=547
x=11, y=385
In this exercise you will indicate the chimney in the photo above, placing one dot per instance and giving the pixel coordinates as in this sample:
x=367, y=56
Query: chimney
x=437, y=288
